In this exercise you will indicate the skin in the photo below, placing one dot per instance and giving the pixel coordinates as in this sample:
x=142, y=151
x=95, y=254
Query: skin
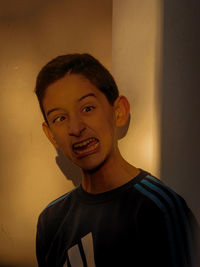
x=76, y=110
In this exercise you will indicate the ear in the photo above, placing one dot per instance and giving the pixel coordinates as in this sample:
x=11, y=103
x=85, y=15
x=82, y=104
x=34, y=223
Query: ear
x=49, y=134
x=122, y=110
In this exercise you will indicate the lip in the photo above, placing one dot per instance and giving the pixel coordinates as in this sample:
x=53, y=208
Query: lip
x=74, y=144
x=86, y=153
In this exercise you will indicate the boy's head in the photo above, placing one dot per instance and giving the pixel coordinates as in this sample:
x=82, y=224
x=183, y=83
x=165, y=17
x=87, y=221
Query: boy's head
x=83, y=64
x=82, y=109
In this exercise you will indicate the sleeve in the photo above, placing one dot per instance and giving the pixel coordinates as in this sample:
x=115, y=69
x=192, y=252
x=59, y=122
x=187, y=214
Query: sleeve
x=40, y=243
x=168, y=232
x=193, y=237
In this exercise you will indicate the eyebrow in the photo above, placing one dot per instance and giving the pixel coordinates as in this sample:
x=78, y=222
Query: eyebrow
x=52, y=110
x=80, y=99
x=90, y=94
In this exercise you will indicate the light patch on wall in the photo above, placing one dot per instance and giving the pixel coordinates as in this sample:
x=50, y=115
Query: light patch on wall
x=137, y=40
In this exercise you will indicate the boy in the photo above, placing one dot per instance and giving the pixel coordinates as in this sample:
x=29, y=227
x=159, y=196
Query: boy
x=119, y=215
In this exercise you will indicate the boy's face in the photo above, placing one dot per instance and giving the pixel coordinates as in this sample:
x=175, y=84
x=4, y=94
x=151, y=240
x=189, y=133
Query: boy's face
x=81, y=121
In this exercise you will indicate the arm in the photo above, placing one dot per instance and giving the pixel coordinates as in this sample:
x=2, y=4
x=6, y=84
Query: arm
x=167, y=229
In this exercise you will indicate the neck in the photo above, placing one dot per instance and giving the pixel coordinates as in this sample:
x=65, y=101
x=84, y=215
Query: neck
x=111, y=174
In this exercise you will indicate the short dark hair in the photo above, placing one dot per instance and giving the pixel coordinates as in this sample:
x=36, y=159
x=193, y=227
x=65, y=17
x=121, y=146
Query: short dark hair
x=83, y=64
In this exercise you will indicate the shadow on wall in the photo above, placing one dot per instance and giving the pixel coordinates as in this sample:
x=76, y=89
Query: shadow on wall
x=73, y=172
x=69, y=169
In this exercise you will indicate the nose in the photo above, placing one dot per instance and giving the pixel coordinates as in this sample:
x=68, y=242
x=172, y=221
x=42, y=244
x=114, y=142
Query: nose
x=75, y=127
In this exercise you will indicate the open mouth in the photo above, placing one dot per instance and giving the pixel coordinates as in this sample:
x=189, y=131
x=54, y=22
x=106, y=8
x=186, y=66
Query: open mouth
x=86, y=147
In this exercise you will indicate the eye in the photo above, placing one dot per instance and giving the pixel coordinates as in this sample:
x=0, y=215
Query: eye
x=59, y=119
x=88, y=108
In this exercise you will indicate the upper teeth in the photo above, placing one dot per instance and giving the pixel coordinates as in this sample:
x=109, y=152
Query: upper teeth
x=84, y=143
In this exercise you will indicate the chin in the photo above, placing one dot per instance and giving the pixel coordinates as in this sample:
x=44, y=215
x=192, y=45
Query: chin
x=91, y=166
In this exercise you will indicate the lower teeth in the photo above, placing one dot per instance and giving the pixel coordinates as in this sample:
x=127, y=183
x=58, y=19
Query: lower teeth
x=88, y=149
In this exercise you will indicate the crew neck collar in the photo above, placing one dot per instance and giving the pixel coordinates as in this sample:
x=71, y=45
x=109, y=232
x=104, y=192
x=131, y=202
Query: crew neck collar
x=108, y=195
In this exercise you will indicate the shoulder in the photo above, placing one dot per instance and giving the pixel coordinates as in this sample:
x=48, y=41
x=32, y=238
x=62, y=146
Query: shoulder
x=60, y=199
x=159, y=194
x=159, y=201
x=163, y=212
x=56, y=207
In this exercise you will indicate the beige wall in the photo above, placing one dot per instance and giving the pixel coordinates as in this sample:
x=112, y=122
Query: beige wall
x=33, y=32
x=136, y=64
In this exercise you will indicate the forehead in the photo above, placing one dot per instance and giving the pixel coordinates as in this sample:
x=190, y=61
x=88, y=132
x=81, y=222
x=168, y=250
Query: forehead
x=68, y=90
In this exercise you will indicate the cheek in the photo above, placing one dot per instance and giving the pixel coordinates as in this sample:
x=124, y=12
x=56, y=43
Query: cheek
x=62, y=140
x=108, y=130
x=103, y=126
